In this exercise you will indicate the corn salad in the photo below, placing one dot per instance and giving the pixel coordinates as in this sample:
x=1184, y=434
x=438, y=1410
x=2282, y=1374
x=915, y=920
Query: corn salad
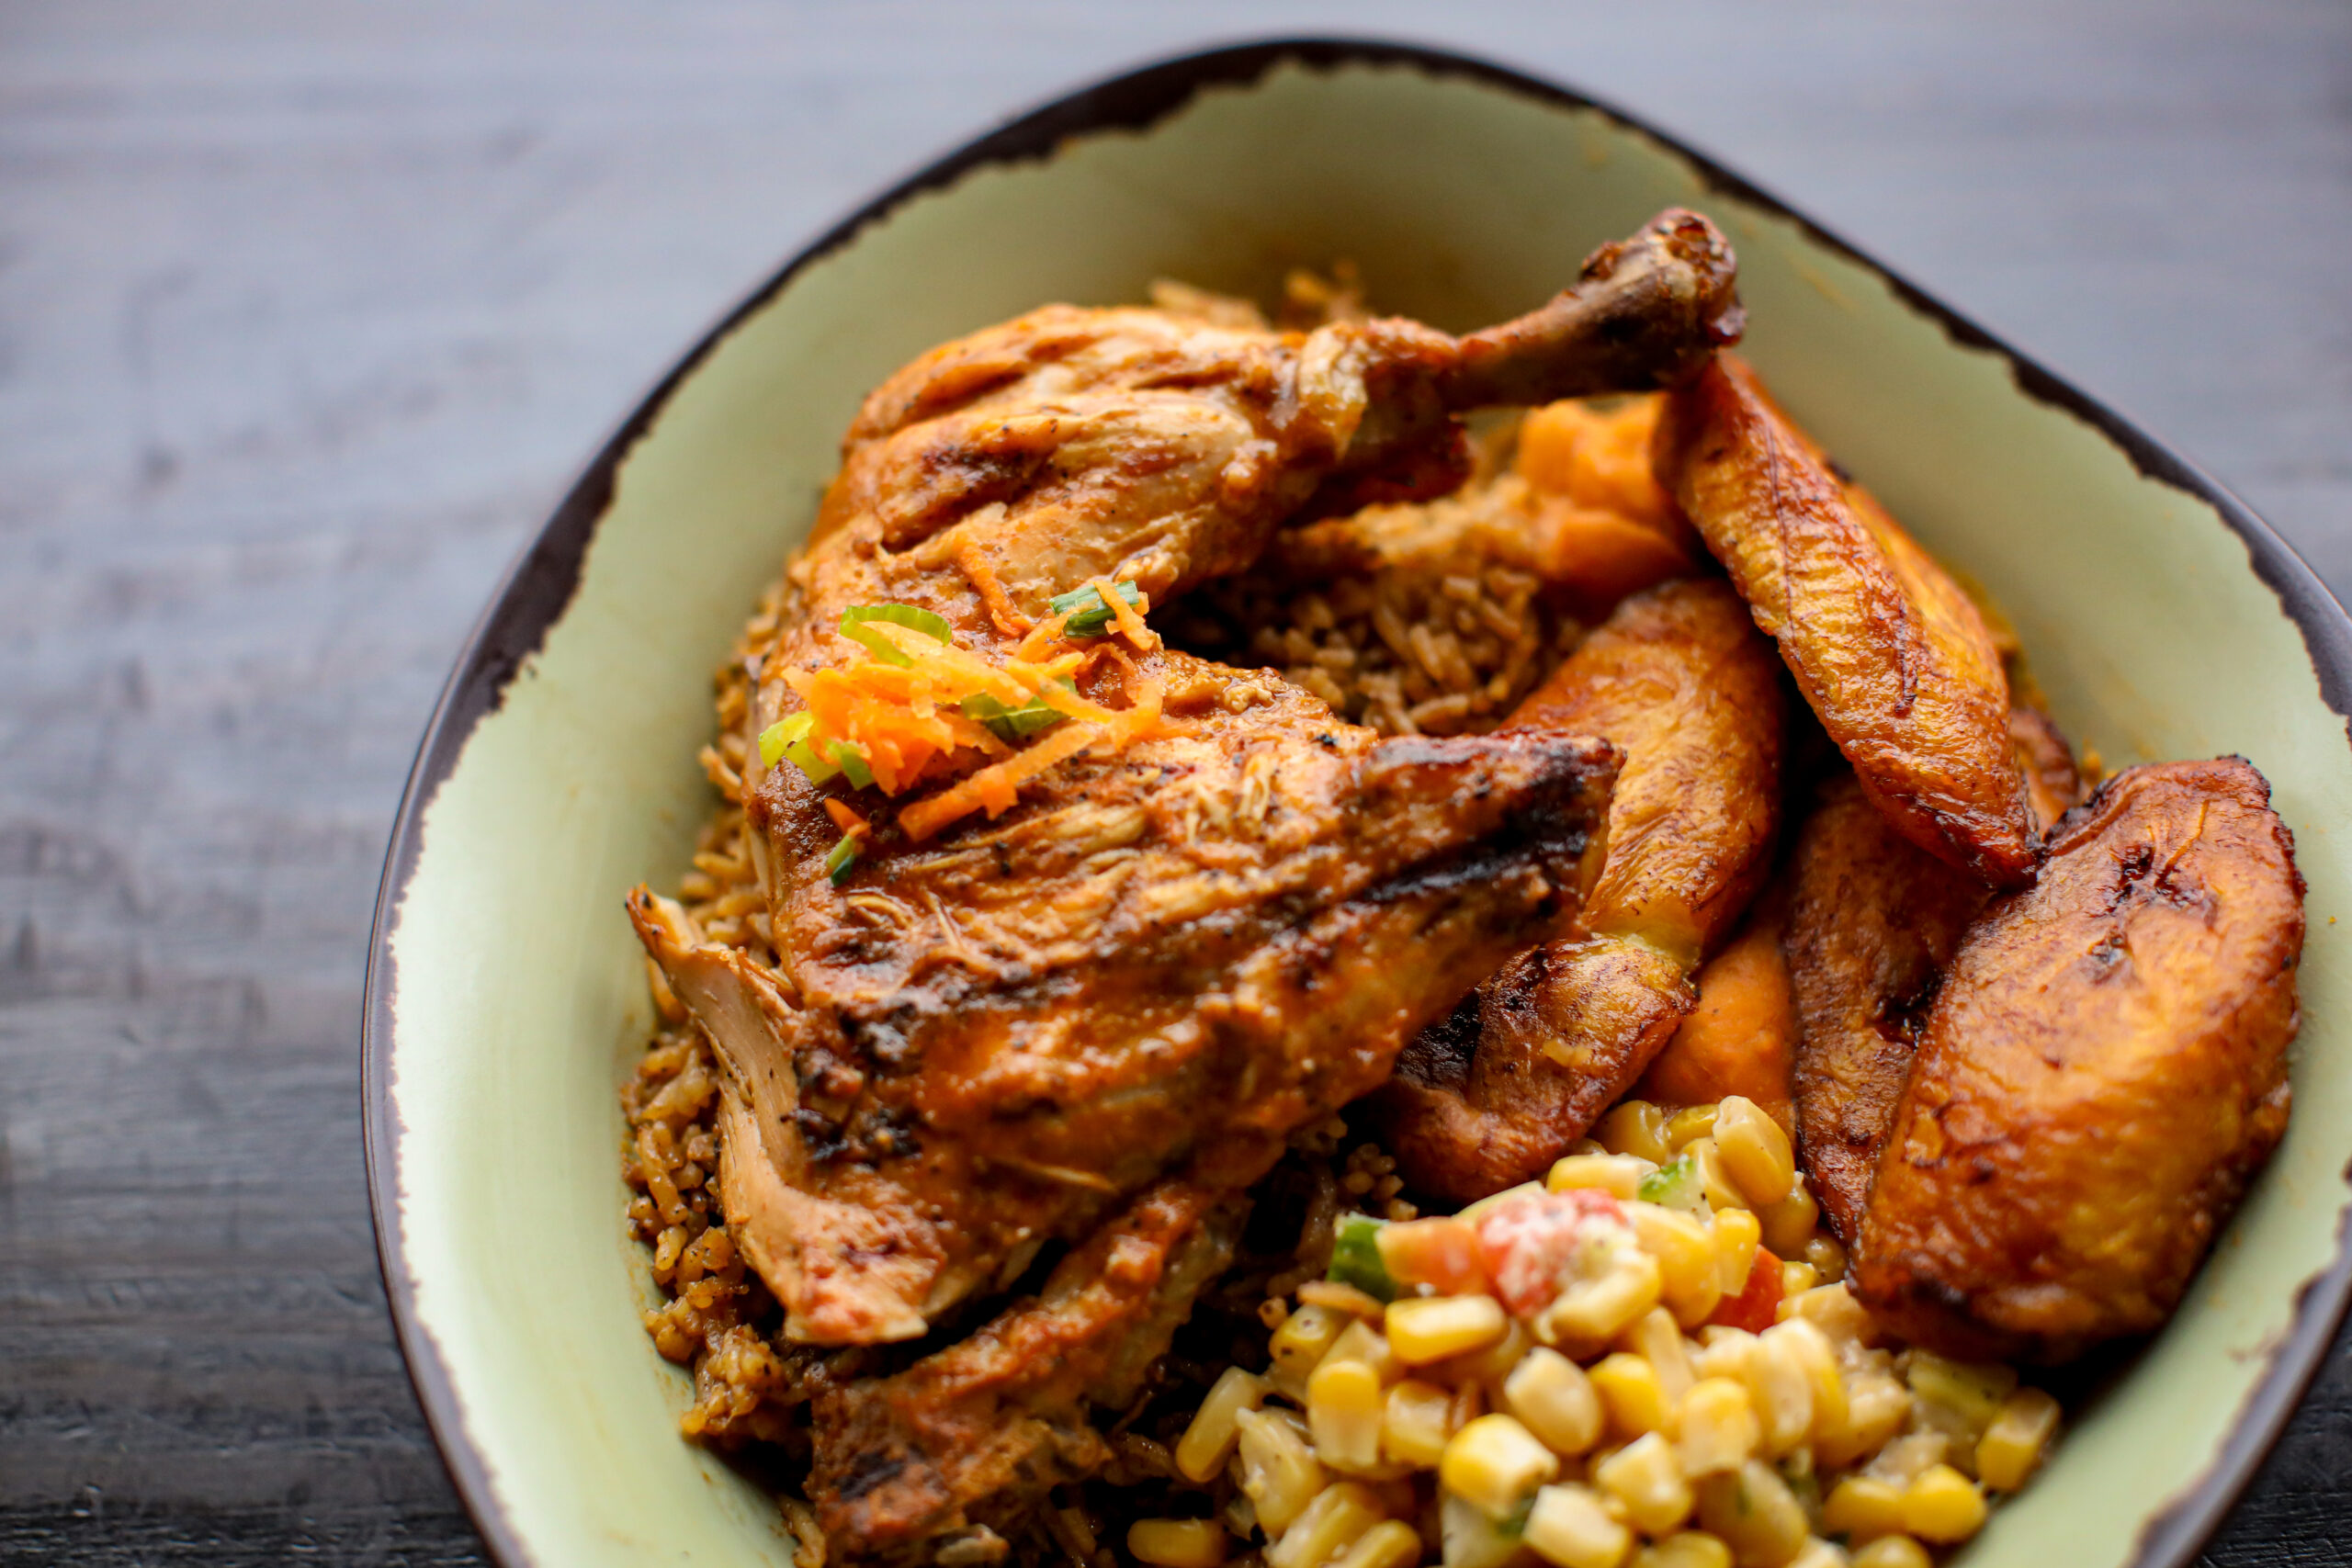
x=1650, y=1359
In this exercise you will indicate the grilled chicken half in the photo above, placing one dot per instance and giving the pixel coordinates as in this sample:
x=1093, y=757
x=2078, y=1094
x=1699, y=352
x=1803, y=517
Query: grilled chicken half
x=1095, y=1016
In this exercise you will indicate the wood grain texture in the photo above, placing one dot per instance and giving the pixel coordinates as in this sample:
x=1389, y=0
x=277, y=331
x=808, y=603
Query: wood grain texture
x=308, y=312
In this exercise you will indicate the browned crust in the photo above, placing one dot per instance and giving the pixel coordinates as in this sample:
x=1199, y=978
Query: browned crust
x=2103, y=1071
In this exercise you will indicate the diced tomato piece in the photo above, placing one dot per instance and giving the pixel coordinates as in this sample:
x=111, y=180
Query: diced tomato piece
x=1758, y=1305
x=1529, y=1245
x=1439, y=1253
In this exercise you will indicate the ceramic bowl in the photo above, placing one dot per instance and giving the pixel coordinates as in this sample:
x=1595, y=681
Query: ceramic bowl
x=506, y=998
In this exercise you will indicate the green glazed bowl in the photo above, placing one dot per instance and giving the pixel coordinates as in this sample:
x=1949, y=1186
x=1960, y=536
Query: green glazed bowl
x=506, y=998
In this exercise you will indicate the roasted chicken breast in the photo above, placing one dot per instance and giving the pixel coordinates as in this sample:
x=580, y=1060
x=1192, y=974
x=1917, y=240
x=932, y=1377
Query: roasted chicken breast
x=2102, y=1072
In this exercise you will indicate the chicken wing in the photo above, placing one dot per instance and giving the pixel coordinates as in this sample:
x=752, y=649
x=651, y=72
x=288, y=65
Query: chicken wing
x=2103, y=1071
x=1892, y=657
x=1682, y=683
x=1740, y=1037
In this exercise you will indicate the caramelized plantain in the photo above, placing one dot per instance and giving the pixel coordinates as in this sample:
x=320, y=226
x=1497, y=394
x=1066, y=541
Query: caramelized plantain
x=1740, y=1037
x=2103, y=1071
x=1680, y=682
x=1891, y=655
x=1873, y=920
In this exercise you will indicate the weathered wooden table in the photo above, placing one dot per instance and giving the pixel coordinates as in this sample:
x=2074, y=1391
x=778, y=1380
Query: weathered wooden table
x=309, y=310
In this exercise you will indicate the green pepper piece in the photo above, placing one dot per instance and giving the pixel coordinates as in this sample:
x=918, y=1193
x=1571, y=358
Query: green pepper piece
x=1355, y=1258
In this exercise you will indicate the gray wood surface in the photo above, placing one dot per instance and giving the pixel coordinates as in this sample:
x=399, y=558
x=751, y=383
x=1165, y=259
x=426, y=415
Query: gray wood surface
x=308, y=312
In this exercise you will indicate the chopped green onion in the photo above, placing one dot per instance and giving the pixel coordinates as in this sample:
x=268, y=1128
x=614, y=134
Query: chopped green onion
x=853, y=620
x=1009, y=724
x=1355, y=1258
x=849, y=763
x=1675, y=1186
x=783, y=733
x=1086, y=621
x=844, y=857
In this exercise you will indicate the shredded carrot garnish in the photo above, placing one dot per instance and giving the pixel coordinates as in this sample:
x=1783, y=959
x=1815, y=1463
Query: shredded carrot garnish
x=1042, y=637
x=845, y=816
x=1008, y=621
x=1126, y=617
x=996, y=787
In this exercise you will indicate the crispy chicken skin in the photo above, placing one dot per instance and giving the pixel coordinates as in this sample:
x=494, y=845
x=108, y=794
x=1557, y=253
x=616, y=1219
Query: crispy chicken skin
x=1166, y=959
x=1873, y=922
x=2103, y=1071
x=1680, y=679
x=1892, y=657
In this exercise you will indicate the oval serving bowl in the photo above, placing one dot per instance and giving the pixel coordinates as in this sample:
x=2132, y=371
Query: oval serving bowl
x=505, y=997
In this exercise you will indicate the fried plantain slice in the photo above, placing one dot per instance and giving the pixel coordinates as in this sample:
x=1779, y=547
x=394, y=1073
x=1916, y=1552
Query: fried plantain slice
x=1740, y=1036
x=2103, y=1071
x=1682, y=684
x=1873, y=920
x=1889, y=651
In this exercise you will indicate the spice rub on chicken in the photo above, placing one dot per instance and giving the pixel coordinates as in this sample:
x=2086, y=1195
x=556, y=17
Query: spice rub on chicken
x=1179, y=935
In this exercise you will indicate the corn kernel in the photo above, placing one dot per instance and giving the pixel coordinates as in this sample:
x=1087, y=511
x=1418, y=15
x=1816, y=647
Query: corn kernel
x=1658, y=1339
x=1687, y=1125
x=1789, y=1224
x=1276, y=1469
x=1714, y=1176
x=1804, y=1342
x=1737, y=1234
x=1876, y=1408
x=1942, y=1505
x=1629, y=1391
x=1754, y=1513
x=1685, y=1250
x=1685, y=1549
x=1554, y=1400
x=1836, y=1313
x=1647, y=1482
x=1334, y=1521
x=1431, y=1328
x=1620, y=1176
x=1973, y=1390
x=1827, y=1256
x=1495, y=1463
x=1796, y=1278
x=1208, y=1442
x=1637, y=1127
x=1301, y=1342
x=1469, y=1538
x=1343, y=1409
x=1391, y=1543
x=1716, y=1427
x=1489, y=1366
x=1863, y=1509
x=1177, y=1544
x=1819, y=1553
x=1416, y=1420
x=1723, y=1352
x=1780, y=1383
x=1755, y=1151
x=1568, y=1528
x=1594, y=1311
x=1360, y=1341
x=1893, y=1551
x=2013, y=1445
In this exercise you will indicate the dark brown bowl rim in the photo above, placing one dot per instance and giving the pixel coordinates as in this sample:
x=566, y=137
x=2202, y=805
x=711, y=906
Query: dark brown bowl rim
x=539, y=586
